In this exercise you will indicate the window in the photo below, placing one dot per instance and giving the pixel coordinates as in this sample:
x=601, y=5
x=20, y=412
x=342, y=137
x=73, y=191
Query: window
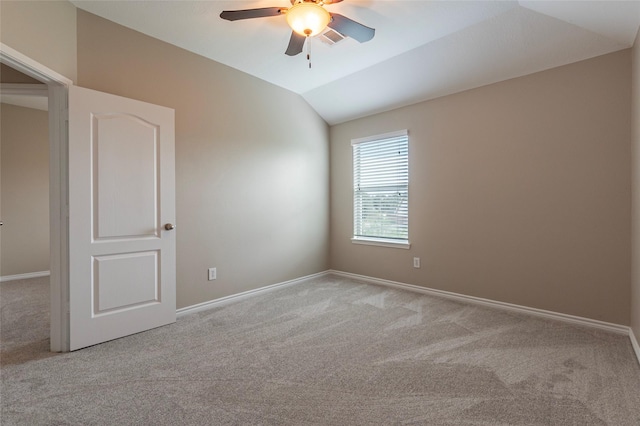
x=381, y=190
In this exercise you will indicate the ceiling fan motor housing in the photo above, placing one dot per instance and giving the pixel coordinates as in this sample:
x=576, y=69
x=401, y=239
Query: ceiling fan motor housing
x=307, y=18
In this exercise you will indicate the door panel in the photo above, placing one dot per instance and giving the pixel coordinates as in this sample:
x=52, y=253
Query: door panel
x=121, y=193
x=124, y=281
x=126, y=198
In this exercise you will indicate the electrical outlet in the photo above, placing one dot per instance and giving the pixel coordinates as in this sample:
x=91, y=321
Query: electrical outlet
x=212, y=274
x=416, y=262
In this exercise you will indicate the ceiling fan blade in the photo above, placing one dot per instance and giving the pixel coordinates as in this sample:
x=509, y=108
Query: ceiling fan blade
x=234, y=15
x=296, y=43
x=331, y=1
x=350, y=28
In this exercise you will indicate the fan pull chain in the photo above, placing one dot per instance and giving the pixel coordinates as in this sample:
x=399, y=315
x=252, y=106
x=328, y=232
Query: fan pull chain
x=309, y=50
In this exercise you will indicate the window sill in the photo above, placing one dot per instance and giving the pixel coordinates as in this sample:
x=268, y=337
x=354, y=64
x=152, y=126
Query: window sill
x=381, y=242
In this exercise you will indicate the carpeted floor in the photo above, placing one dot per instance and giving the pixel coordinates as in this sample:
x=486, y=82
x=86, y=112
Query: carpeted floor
x=327, y=352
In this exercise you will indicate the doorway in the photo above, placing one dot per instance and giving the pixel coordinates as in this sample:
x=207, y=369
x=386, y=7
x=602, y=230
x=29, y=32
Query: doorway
x=55, y=87
x=93, y=248
x=24, y=235
x=24, y=240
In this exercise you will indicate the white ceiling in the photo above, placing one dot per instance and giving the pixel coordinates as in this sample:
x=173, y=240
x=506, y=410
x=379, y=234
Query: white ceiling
x=422, y=49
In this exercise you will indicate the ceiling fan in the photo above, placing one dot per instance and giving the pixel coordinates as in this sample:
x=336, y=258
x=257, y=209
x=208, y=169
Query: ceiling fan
x=306, y=18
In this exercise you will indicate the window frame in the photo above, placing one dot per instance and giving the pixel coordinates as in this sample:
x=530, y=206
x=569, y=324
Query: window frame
x=370, y=240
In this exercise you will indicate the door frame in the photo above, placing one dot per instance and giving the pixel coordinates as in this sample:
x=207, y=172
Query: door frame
x=57, y=89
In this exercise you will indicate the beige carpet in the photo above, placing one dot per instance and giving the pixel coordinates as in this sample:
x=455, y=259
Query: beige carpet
x=328, y=352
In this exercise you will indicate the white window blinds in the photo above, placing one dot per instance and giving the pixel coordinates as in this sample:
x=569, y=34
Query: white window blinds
x=381, y=187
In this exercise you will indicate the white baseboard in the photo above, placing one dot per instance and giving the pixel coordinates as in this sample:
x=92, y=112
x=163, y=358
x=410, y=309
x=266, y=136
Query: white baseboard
x=235, y=297
x=24, y=276
x=634, y=343
x=606, y=326
x=572, y=319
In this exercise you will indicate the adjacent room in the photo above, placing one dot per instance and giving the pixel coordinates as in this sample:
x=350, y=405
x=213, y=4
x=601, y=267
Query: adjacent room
x=396, y=212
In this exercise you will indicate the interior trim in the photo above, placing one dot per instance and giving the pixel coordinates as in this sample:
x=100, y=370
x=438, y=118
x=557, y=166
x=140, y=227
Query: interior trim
x=571, y=319
x=601, y=325
x=24, y=89
x=24, y=276
x=634, y=344
x=401, y=244
x=30, y=67
x=235, y=297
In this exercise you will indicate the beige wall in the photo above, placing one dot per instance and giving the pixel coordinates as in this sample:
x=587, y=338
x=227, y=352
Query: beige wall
x=24, y=190
x=43, y=30
x=1, y=189
x=9, y=75
x=252, y=166
x=519, y=191
x=635, y=283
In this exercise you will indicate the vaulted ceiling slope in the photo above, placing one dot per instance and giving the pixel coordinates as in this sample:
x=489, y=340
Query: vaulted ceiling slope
x=421, y=49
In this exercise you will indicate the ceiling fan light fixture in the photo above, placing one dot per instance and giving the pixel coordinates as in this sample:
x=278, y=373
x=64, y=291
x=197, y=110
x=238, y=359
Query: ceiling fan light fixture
x=307, y=18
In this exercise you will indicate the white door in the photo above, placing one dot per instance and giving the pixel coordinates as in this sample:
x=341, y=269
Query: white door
x=121, y=197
